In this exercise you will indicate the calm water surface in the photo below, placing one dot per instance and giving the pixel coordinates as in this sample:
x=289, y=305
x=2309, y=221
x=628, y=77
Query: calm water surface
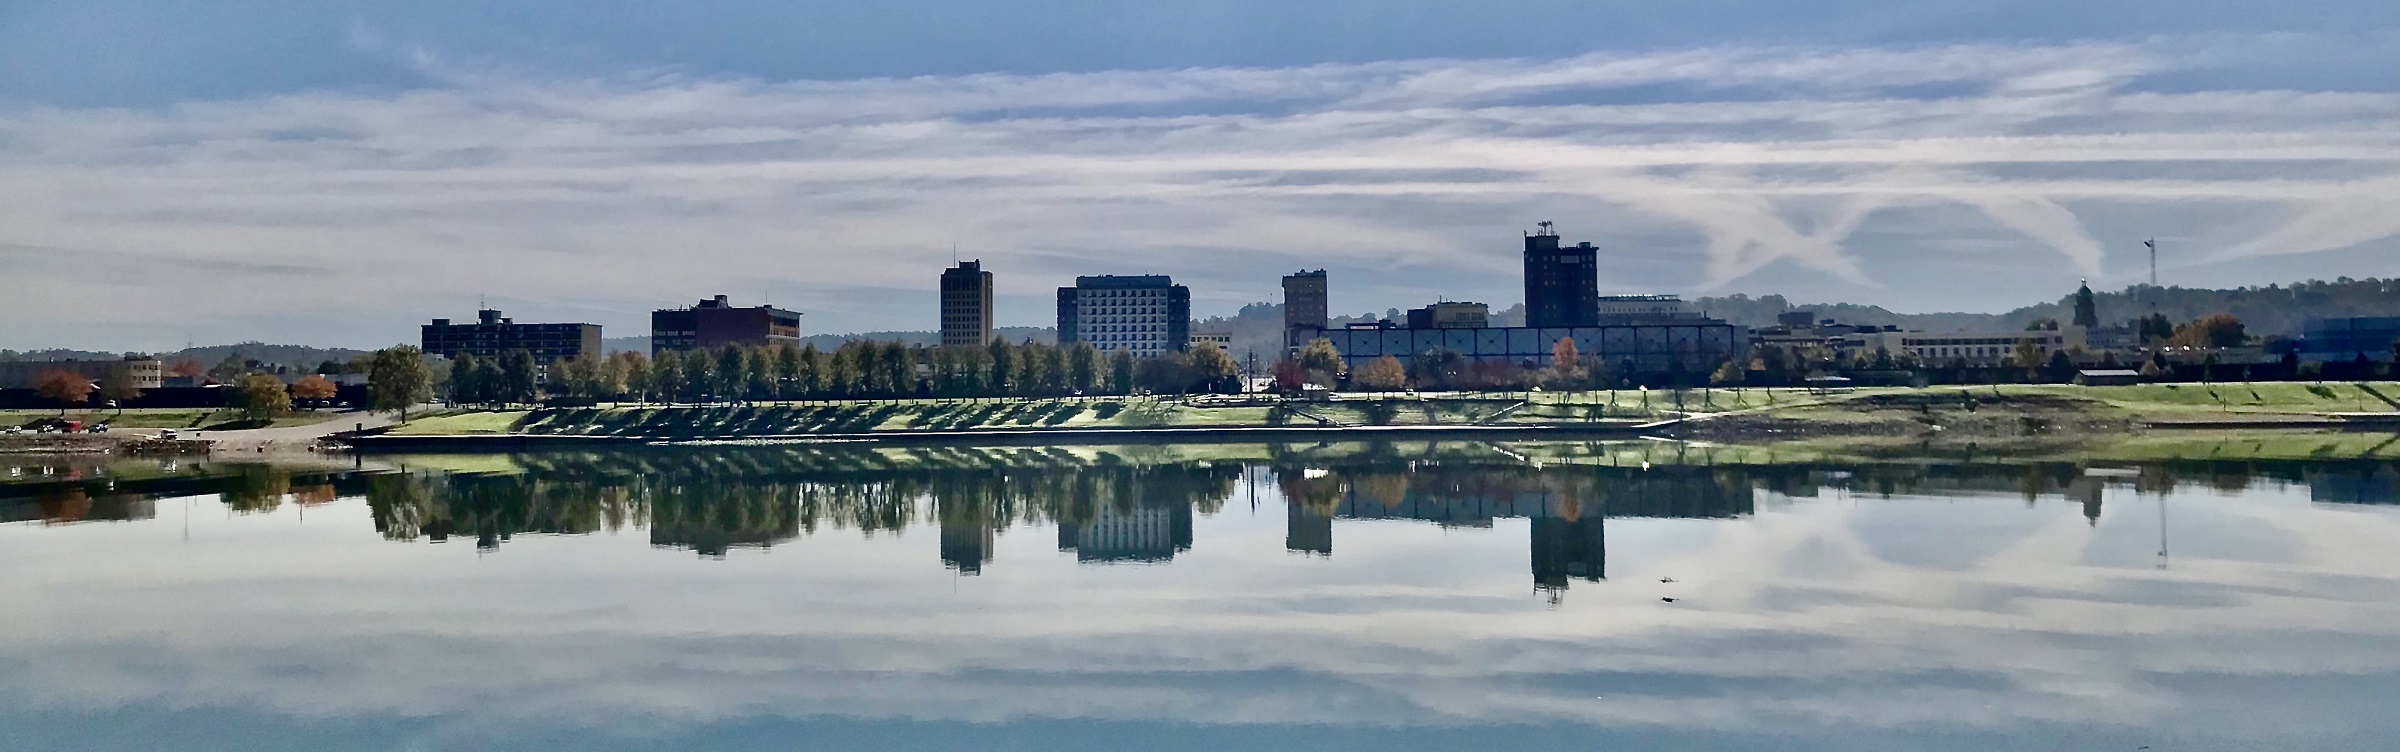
x=1368, y=598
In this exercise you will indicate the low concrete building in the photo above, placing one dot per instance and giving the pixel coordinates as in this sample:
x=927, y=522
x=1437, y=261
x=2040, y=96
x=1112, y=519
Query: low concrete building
x=1693, y=346
x=1221, y=340
x=1989, y=349
x=1460, y=315
x=2345, y=340
x=140, y=372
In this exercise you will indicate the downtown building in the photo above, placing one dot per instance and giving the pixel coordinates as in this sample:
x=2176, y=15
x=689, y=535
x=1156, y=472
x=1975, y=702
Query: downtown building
x=1562, y=285
x=715, y=323
x=1147, y=315
x=1645, y=337
x=138, y=372
x=1304, y=309
x=493, y=335
x=967, y=305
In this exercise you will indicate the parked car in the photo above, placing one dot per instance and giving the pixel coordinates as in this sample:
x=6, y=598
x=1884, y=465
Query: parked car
x=97, y=428
x=168, y=434
x=14, y=430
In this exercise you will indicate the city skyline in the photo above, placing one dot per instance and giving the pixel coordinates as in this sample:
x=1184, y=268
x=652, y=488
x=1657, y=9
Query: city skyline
x=1950, y=161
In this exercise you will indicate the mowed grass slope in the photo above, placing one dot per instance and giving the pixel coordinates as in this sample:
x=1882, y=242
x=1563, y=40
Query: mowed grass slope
x=1854, y=408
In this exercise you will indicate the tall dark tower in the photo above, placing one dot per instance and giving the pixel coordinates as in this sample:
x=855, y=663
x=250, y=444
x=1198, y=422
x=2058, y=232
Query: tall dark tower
x=1562, y=285
x=967, y=305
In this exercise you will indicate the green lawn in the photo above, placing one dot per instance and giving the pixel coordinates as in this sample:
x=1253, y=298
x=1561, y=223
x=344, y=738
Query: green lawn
x=461, y=423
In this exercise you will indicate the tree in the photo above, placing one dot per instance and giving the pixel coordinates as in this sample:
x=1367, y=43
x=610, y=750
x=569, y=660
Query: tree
x=1566, y=365
x=1321, y=362
x=1120, y=372
x=1383, y=374
x=1083, y=367
x=1004, y=367
x=188, y=368
x=65, y=388
x=1729, y=373
x=844, y=377
x=815, y=372
x=733, y=373
x=468, y=380
x=260, y=396
x=225, y=371
x=788, y=368
x=118, y=387
x=314, y=387
x=2027, y=358
x=633, y=370
x=1214, y=371
x=1288, y=376
x=2042, y=325
x=666, y=376
x=518, y=381
x=2213, y=331
x=2060, y=369
x=2087, y=311
x=765, y=373
x=699, y=376
x=2154, y=328
x=397, y=378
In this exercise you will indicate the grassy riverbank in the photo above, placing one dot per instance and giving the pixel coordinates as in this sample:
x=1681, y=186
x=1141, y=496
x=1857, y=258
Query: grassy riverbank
x=1998, y=411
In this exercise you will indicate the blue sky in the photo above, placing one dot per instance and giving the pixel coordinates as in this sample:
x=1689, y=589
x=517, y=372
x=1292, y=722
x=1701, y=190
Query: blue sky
x=339, y=172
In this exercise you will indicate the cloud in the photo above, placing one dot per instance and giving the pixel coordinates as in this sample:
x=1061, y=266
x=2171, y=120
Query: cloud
x=622, y=193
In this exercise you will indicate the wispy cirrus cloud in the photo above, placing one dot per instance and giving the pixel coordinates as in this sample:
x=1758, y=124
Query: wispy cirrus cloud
x=586, y=196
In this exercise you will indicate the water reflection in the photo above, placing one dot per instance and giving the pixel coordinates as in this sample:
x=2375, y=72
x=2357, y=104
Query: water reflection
x=752, y=597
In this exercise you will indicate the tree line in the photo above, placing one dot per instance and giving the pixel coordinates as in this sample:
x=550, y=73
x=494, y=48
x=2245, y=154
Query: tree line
x=860, y=369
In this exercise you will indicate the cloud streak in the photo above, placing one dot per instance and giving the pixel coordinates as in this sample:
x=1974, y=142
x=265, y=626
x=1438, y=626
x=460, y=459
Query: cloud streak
x=639, y=190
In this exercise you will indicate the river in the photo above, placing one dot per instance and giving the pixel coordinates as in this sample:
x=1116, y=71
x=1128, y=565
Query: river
x=1322, y=597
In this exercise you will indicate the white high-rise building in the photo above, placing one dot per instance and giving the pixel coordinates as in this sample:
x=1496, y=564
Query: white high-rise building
x=1147, y=315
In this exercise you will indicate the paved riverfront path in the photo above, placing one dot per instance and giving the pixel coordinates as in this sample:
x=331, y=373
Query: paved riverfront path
x=289, y=436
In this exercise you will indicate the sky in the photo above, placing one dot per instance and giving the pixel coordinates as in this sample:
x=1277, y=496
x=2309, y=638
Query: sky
x=337, y=173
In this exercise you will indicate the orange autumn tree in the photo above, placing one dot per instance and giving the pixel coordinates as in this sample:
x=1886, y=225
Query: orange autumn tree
x=314, y=387
x=65, y=388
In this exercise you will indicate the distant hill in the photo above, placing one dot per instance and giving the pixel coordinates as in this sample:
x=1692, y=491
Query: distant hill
x=299, y=357
x=2268, y=310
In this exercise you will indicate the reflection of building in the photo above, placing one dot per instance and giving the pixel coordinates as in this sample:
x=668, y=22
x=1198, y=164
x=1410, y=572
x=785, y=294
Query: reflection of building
x=715, y=323
x=966, y=544
x=1143, y=533
x=1147, y=315
x=1566, y=508
x=1305, y=531
x=2374, y=484
x=966, y=305
x=67, y=505
x=1304, y=310
x=141, y=373
x=1564, y=548
x=492, y=336
x=2087, y=491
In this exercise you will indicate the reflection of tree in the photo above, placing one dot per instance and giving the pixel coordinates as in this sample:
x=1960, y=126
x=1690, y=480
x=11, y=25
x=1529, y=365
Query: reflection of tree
x=257, y=488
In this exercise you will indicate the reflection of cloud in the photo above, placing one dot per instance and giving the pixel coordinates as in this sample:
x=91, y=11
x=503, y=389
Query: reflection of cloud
x=607, y=193
x=1818, y=615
